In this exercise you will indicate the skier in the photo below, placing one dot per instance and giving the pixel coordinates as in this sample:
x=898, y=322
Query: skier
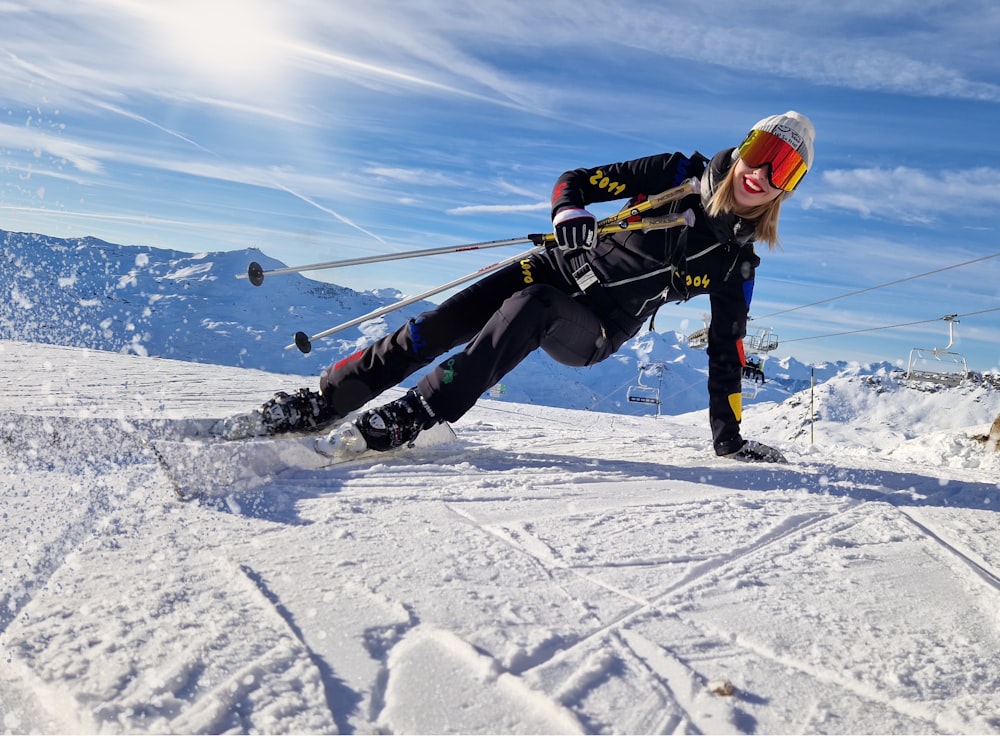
x=580, y=301
x=753, y=370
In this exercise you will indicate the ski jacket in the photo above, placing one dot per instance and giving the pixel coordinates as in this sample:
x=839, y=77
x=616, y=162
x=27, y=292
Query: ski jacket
x=628, y=275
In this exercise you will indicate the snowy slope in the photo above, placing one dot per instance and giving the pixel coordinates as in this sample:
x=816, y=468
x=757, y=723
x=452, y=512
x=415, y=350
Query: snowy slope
x=556, y=571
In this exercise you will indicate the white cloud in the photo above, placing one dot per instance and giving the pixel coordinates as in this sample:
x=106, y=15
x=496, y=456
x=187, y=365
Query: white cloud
x=480, y=209
x=84, y=157
x=910, y=195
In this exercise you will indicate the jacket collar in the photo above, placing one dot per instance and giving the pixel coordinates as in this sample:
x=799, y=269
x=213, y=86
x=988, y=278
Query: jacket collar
x=727, y=227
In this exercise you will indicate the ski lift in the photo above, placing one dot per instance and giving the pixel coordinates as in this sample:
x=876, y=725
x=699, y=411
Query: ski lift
x=699, y=338
x=497, y=390
x=938, y=365
x=641, y=393
x=753, y=376
x=761, y=340
x=757, y=344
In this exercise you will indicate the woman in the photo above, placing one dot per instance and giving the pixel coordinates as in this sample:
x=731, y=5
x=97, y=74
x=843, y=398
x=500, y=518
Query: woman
x=581, y=301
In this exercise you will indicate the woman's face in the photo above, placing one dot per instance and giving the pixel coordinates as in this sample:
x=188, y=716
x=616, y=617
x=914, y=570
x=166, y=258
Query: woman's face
x=751, y=188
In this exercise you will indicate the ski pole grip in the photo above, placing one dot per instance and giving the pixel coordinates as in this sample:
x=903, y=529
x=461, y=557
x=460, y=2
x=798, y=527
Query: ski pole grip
x=667, y=221
x=542, y=239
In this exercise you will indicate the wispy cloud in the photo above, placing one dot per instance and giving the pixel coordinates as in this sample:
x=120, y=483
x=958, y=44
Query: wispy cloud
x=482, y=209
x=911, y=195
x=331, y=212
x=82, y=156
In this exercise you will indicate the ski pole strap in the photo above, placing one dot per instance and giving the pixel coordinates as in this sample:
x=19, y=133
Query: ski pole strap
x=619, y=222
x=688, y=186
x=584, y=275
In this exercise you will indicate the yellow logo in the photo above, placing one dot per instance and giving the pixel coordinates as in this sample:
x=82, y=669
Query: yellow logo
x=526, y=270
x=599, y=179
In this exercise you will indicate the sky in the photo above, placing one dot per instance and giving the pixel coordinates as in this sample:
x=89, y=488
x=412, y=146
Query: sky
x=318, y=130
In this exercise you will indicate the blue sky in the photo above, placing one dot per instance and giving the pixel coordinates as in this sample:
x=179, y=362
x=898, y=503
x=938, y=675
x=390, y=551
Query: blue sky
x=318, y=130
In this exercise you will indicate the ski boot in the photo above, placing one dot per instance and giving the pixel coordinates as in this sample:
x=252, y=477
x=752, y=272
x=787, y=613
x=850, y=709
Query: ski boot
x=302, y=411
x=386, y=427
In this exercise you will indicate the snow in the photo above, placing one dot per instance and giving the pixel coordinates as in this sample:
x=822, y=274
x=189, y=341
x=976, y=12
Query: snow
x=553, y=571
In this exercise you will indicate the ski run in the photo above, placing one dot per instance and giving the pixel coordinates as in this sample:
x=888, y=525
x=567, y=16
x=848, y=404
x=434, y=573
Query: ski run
x=549, y=571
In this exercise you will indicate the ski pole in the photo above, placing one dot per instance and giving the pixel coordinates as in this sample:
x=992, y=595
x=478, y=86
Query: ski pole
x=255, y=272
x=304, y=342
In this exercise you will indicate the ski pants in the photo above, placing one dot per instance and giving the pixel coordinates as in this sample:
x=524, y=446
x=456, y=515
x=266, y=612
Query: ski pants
x=500, y=319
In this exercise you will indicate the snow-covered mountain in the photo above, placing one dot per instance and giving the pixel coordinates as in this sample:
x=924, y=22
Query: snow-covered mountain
x=164, y=303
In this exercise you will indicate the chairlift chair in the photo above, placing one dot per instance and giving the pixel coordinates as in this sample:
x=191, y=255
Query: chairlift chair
x=751, y=386
x=762, y=340
x=938, y=365
x=640, y=393
x=497, y=390
x=698, y=339
x=757, y=344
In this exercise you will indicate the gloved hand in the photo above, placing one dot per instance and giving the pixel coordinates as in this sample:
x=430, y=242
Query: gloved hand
x=575, y=228
x=756, y=452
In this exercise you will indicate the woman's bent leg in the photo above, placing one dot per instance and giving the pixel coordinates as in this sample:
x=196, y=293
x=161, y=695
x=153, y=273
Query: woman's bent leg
x=537, y=316
x=353, y=381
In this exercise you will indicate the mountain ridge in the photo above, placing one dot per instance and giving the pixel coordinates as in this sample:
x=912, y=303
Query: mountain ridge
x=86, y=292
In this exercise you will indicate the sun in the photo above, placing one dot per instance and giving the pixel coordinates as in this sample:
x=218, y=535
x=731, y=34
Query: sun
x=229, y=42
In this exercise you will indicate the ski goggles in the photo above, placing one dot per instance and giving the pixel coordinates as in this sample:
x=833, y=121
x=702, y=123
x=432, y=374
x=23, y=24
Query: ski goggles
x=785, y=166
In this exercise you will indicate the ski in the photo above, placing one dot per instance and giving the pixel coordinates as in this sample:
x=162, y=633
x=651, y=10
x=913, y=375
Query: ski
x=210, y=465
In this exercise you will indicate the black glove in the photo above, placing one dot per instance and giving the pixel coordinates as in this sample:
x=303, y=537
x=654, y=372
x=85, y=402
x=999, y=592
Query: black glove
x=755, y=452
x=575, y=228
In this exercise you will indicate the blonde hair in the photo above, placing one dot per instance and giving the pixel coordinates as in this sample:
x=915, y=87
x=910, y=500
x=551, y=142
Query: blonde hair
x=765, y=216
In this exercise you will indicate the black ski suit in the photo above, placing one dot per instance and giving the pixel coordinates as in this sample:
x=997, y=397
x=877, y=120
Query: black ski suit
x=539, y=303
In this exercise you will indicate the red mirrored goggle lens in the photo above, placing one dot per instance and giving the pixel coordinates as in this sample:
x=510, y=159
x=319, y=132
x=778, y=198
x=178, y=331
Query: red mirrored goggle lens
x=786, y=165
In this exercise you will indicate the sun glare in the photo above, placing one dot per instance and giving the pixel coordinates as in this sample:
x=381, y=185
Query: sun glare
x=228, y=41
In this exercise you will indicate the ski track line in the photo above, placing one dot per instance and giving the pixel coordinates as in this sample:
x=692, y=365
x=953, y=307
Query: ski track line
x=332, y=687
x=682, y=684
x=51, y=558
x=257, y=586
x=905, y=708
x=543, y=556
x=901, y=706
x=937, y=721
x=953, y=553
x=210, y=711
x=663, y=667
x=40, y=445
x=679, y=683
x=879, y=492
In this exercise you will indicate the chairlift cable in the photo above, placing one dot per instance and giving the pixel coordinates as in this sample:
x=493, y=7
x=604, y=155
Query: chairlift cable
x=890, y=327
x=881, y=286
